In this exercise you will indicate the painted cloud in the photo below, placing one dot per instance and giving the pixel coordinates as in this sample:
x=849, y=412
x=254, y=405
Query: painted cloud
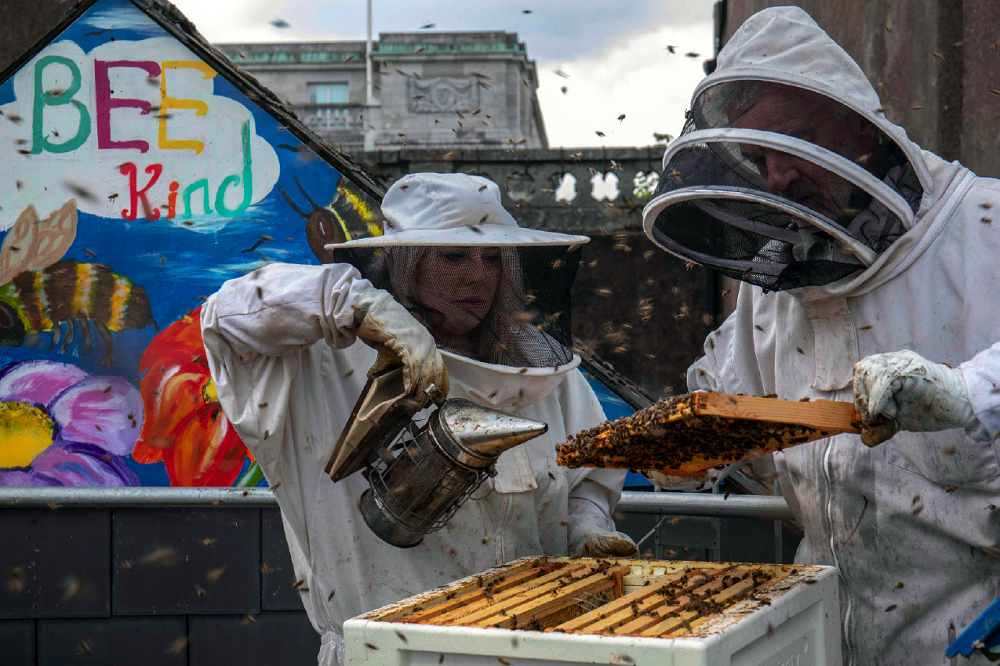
x=98, y=117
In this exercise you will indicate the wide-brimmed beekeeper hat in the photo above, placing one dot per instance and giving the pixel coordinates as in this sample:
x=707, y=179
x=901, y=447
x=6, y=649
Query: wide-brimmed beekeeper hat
x=451, y=209
x=457, y=261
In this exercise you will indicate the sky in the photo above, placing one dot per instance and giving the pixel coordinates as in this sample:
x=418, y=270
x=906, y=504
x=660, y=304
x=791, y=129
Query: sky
x=614, y=54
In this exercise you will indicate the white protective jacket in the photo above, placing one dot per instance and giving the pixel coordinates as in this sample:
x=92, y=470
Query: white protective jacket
x=913, y=524
x=288, y=373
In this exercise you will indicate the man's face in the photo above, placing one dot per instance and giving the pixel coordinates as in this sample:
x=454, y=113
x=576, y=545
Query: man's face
x=813, y=118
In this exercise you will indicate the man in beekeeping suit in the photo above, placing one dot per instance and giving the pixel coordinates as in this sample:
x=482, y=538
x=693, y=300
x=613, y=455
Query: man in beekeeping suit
x=461, y=295
x=868, y=271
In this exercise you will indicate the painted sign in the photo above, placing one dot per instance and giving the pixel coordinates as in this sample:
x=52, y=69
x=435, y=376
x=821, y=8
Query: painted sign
x=137, y=179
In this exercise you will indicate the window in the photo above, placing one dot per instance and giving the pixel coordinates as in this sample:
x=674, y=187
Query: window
x=328, y=93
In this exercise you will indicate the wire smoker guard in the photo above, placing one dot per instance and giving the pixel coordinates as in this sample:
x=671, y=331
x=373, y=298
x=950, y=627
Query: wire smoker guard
x=421, y=475
x=419, y=481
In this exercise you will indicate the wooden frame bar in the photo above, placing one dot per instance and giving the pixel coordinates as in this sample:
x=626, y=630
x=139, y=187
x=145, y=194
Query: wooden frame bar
x=680, y=436
x=470, y=613
x=633, y=598
x=542, y=604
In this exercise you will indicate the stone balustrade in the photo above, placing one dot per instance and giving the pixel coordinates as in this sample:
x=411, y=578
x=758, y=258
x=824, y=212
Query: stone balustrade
x=337, y=124
x=544, y=189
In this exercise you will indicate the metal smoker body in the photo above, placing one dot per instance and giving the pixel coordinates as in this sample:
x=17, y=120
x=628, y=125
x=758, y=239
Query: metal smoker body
x=436, y=470
x=420, y=476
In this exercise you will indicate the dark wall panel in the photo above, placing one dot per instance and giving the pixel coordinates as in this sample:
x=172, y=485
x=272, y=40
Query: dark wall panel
x=277, y=574
x=675, y=538
x=17, y=642
x=980, y=106
x=186, y=561
x=161, y=566
x=56, y=562
x=147, y=641
x=268, y=639
x=753, y=540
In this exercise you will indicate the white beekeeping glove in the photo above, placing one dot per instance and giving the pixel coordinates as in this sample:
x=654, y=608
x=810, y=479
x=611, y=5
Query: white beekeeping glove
x=593, y=537
x=387, y=327
x=904, y=391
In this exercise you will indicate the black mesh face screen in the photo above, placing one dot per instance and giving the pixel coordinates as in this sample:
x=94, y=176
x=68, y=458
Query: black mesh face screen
x=755, y=241
x=810, y=116
x=718, y=211
x=689, y=230
x=496, y=304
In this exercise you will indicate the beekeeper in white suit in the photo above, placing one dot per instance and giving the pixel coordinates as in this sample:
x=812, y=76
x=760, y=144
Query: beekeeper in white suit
x=281, y=347
x=869, y=274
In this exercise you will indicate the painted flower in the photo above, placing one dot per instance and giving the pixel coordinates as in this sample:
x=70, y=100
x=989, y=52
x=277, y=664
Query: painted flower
x=60, y=426
x=185, y=426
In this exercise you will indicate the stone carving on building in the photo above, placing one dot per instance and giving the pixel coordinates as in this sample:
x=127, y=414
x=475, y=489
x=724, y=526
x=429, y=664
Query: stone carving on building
x=441, y=94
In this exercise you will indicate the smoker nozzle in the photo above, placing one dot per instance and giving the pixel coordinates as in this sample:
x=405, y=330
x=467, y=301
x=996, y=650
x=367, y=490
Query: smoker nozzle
x=487, y=432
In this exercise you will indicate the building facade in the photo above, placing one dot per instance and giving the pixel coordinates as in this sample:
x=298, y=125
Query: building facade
x=429, y=89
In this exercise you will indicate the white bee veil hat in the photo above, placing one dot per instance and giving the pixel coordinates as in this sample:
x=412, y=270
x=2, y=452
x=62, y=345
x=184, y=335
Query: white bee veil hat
x=486, y=289
x=451, y=209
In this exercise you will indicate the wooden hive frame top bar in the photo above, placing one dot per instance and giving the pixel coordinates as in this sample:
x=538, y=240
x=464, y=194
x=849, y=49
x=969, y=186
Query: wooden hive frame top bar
x=605, y=597
x=689, y=434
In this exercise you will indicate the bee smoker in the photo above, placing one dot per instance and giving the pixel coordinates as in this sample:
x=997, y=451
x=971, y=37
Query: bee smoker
x=421, y=475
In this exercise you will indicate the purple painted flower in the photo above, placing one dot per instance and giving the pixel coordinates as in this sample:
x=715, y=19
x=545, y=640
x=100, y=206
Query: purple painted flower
x=60, y=426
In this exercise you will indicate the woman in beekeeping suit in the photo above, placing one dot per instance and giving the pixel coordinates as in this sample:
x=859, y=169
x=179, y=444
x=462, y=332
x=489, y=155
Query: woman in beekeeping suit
x=462, y=296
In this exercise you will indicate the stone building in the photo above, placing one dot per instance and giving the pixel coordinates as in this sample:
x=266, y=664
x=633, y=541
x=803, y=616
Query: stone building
x=429, y=89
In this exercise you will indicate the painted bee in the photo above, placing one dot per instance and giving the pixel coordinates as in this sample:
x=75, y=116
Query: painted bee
x=69, y=291
x=329, y=224
x=38, y=292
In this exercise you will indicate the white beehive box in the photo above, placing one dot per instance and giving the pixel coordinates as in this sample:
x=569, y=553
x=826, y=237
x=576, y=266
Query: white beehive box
x=554, y=610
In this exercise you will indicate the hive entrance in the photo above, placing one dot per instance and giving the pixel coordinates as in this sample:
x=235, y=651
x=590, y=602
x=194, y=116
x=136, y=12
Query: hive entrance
x=586, y=596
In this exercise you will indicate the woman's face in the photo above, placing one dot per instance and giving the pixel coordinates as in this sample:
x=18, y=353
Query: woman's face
x=457, y=286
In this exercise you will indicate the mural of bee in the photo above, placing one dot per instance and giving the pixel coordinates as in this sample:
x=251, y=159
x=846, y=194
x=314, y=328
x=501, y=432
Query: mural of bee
x=349, y=215
x=69, y=291
x=38, y=292
x=323, y=226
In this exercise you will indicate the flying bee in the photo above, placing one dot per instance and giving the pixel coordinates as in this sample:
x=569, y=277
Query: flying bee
x=66, y=292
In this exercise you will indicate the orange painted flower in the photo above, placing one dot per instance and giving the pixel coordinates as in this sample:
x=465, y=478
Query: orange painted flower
x=185, y=426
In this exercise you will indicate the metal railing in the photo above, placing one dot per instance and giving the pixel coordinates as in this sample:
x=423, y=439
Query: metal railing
x=704, y=504
x=147, y=498
x=664, y=503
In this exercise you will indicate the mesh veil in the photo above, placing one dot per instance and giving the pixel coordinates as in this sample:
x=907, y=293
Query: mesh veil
x=504, y=305
x=757, y=206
